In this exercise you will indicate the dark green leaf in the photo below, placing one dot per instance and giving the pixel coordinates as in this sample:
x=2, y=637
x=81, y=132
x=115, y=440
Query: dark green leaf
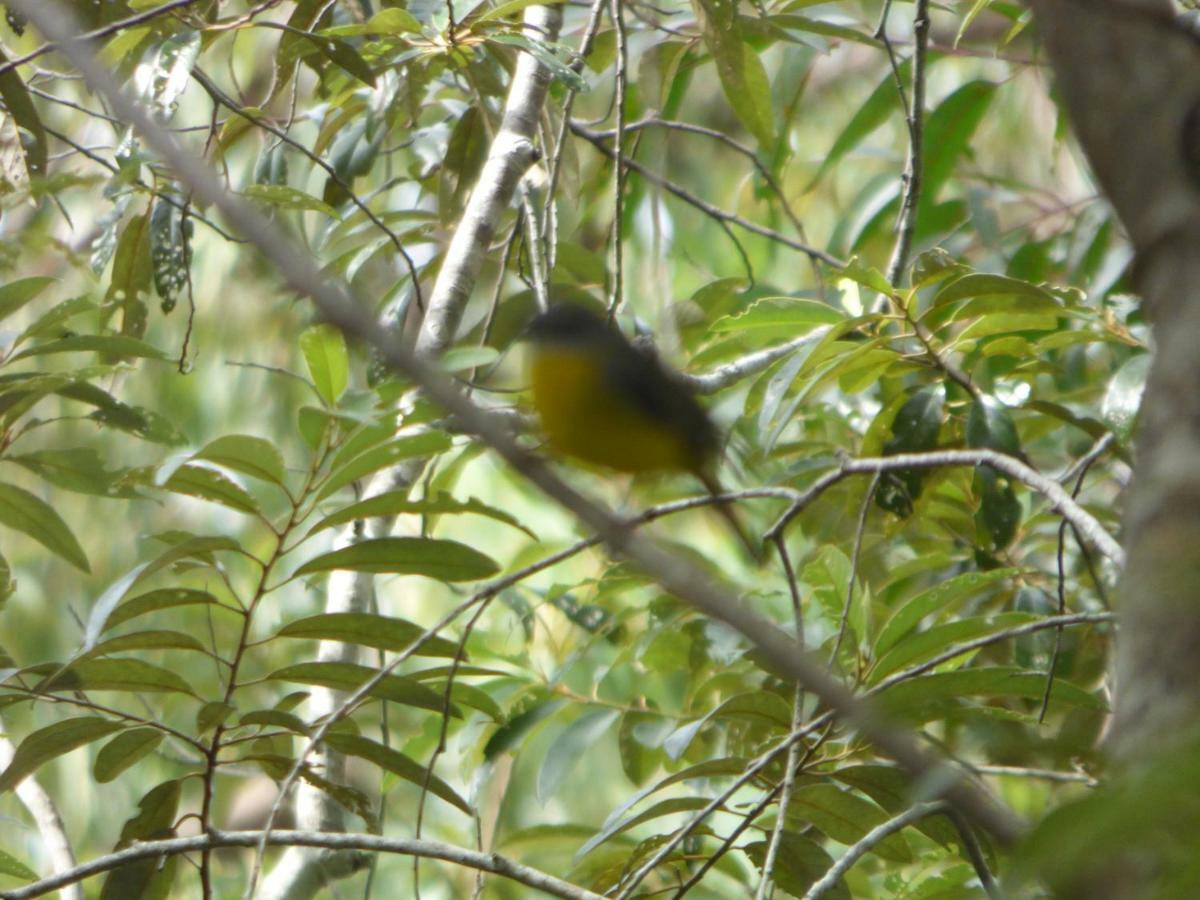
x=349, y=677
x=938, y=599
x=948, y=133
x=31, y=515
x=368, y=630
x=439, y=559
x=124, y=751
x=398, y=764
x=132, y=277
x=120, y=674
x=398, y=503
x=844, y=817
x=151, y=878
x=990, y=425
x=799, y=864
x=207, y=484
x=53, y=741
x=164, y=598
x=20, y=106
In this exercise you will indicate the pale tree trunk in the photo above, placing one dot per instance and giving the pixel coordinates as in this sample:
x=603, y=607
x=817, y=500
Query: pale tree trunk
x=1129, y=74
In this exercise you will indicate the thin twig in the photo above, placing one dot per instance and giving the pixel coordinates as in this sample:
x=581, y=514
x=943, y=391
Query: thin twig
x=618, y=274
x=858, y=538
x=1060, y=501
x=492, y=863
x=915, y=117
x=704, y=206
x=868, y=842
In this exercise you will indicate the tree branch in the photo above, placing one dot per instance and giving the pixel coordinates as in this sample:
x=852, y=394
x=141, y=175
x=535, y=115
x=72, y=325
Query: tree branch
x=493, y=863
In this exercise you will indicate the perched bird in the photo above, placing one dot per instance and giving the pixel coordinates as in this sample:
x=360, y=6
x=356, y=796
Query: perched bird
x=604, y=400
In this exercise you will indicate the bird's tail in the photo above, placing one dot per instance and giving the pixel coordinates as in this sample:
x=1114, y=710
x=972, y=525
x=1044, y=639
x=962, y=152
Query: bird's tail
x=727, y=511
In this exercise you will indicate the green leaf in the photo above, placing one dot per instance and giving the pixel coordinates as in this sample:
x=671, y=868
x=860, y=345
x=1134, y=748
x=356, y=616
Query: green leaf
x=1000, y=511
x=844, y=817
x=568, y=749
x=397, y=503
x=207, y=484
x=948, y=133
x=153, y=601
x=150, y=878
x=433, y=558
x=78, y=469
x=170, y=247
x=1123, y=398
x=894, y=790
x=916, y=648
x=251, y=456
x=281, y=196
x=124, y=751
x=937, y=599
x=212, y=714
x=22, y=511
x=20, y=106
x=423, y=443
x=790, y=315
x=881, y=105
x=17, y=293
x=800, y=863
x=394, y=21
x=108, y=344
x=53, y=741
x=10, y=865
x=923, y=698
x=349, y=677
x=914, y=429
x=146, y=640
x=990, y=425
x=398, y=764
x=369, y=630
x=132, y=276
x=741, y=72
x=121, y=674
x=324, y=351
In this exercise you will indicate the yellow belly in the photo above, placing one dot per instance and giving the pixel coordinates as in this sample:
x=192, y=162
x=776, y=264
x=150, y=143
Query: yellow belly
x=583, y=417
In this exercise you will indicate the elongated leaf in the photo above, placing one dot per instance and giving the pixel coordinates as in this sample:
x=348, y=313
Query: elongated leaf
x=13, y=867
x=398, y=764
x=948, y=133
x=877, y=109
x=800, y=863
x=424, y=443
x=568, y=749
x=844, y=817
x=324, y=351
x=439, y=559
x=132, y=276
x=124, y=751
x=923, y=697
x=397, y=503
x=20, y=106
x=121, y=674
x=147, y=640
x=17, y=293
x=253, y=456
x=109, y=344
x=349, y=677
x=155, y=819
x=938, y=598
x=281, y=196
x=165, y=598
x=916, y=648
x=790, y=314
x=31, y=515
x=1123, y=398
x=742, y=76
x=368, y=630
x=52, y=741
x=207, y=484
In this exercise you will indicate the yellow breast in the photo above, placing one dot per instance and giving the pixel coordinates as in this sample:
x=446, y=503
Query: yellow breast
x=583, y=416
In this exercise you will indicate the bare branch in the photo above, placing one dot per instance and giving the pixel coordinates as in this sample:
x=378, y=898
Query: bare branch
x=868, y=842
x=493, y=863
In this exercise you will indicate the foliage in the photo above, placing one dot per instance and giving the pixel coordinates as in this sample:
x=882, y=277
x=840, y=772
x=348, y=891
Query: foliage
x=196, y=474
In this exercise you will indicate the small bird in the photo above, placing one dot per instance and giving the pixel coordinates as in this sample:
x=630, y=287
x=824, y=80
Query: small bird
x=604, y=400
